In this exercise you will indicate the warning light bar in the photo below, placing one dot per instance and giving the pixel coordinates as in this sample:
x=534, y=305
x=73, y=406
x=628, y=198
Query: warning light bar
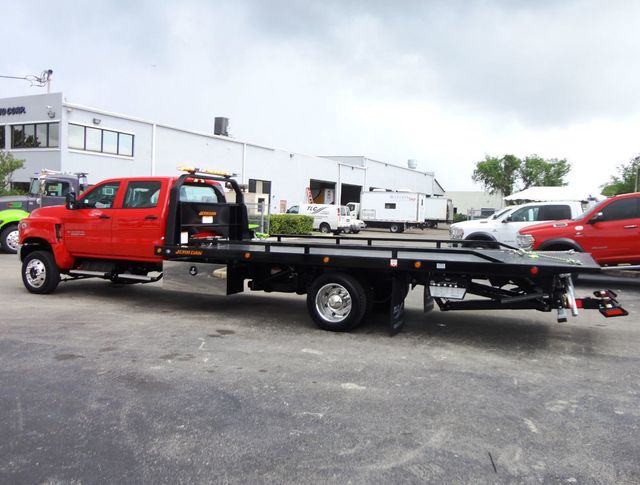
x=194, y=170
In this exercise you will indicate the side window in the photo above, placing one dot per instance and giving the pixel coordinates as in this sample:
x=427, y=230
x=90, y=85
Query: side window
x=142, y=195
x=390, y=205
x=526, y=214
x=621, y=209
x=100, y=196
x=554, y=212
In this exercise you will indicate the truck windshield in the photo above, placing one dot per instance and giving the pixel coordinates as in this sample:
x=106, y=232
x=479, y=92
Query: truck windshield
x=34, y=188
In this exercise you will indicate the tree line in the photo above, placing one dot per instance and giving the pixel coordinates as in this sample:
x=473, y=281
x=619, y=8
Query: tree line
x=509, y=174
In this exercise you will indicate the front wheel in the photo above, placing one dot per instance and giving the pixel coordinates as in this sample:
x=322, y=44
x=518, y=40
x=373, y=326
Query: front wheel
x=40, y=274
x=336, y=302
x=9, y=238
x=396, y=228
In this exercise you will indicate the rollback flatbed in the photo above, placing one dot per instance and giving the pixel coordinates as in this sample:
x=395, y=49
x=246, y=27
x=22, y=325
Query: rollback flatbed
x=344, y=278
x=203, y=244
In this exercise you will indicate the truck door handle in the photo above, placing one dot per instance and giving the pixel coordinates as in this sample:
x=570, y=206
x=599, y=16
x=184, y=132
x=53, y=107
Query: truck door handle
x=631, y=226
x=151, y=218
x=104, y=216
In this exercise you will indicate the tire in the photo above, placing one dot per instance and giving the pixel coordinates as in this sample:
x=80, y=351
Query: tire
x=336, y=302
x=40, y=275
x=325, y=228
x=395, y=228
x=9, y=239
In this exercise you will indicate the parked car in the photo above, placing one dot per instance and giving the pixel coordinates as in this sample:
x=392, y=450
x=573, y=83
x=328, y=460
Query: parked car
x=356, y=225
x=503, y=226
x=326, y=217
x=610, y=231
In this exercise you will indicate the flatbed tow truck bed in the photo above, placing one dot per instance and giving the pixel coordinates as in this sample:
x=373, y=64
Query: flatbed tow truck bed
x=504, y=278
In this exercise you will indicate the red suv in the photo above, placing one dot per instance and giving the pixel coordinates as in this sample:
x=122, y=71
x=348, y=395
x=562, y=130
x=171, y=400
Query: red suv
x=610, y=231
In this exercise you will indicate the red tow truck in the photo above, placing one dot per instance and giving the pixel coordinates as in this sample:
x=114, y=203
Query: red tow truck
x=182, y=230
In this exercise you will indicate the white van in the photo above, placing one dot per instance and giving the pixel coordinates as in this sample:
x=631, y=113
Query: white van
x=326, y=217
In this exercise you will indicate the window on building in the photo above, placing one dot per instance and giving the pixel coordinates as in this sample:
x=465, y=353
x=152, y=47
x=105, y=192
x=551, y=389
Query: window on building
x=35, y=135
x=99, y=140
x=259, y=186
x=110, y=142
x=76, y=136
x=2, y=142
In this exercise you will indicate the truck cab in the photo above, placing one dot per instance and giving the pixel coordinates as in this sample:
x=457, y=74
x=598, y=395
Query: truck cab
x=47, y=189
x=610, y=231
x=112, y=229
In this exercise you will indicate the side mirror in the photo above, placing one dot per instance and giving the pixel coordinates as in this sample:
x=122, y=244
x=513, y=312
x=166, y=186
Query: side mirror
x=598, y=217
x=70, y=201
x=507, y=219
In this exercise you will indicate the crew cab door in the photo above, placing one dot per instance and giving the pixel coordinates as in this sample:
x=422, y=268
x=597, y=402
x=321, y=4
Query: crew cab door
x=613, y=237
x=138, y=224
x=87, y=230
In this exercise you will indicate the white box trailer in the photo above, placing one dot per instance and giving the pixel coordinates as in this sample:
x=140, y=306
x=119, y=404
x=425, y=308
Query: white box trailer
x=398, y=211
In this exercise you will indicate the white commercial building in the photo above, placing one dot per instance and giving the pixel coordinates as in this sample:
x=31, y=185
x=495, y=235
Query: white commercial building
x=49, y=132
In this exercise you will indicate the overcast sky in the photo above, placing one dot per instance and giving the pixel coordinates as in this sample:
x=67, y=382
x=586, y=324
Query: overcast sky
x=443, y=82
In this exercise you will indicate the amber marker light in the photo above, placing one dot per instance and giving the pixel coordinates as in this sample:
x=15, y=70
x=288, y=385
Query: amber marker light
x=326, y=259
x=417, y=265
x=247, y=255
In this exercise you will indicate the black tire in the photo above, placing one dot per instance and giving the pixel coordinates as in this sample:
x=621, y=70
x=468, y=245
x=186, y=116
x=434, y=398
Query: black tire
x=40, y=275
x=325, y=228
x=395, y=228
x=336, y=302
x=9, y=239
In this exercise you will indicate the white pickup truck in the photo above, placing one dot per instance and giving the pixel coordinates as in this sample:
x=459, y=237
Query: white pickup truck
x=503, y=226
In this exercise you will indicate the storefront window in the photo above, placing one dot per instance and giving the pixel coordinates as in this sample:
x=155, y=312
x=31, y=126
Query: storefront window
x=37, y=135
x=2, y=142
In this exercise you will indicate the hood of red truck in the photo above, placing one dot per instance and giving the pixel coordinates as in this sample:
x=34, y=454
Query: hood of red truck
x=552, y=227
x=52, y=211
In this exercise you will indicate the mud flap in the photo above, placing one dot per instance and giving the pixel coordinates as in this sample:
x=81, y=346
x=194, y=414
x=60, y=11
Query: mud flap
x=428, y=300
x=399, y=286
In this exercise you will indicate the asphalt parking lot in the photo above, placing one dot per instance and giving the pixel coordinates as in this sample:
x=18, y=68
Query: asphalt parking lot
x=104, y=383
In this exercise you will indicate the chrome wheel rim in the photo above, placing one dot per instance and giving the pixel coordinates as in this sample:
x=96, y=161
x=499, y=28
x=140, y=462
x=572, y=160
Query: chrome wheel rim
x=12, y=240
x=333, y=303
x=36, y=273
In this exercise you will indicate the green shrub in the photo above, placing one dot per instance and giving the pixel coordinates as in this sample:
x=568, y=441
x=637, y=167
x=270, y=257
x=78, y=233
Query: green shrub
x=459, y=217
x=290, y=224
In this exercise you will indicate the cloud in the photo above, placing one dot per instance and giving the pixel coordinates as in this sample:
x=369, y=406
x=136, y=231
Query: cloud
x=445, y=82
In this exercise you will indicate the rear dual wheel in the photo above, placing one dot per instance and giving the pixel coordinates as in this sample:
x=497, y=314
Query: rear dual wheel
x=337, y=302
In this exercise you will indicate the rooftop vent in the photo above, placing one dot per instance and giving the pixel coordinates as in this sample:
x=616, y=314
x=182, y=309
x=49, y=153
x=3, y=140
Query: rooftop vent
x=412, y=164
x=221, y=126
